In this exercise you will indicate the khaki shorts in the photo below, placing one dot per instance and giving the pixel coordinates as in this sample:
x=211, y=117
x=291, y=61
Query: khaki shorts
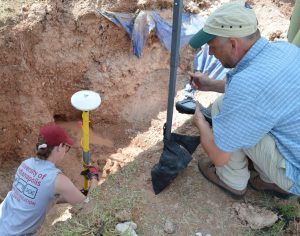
x=266, y=158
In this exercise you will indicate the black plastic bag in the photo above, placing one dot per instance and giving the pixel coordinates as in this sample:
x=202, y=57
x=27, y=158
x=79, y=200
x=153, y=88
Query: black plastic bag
x=175, y=157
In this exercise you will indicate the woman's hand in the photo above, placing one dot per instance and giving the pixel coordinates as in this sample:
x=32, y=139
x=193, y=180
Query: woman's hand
x=90, y=172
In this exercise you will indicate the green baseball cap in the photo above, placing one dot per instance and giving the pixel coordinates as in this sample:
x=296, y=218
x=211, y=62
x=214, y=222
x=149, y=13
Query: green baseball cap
x=234, y=19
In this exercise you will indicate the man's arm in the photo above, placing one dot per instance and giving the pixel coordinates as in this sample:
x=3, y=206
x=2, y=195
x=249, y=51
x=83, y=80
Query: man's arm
x=217, y=156
x=203, y=83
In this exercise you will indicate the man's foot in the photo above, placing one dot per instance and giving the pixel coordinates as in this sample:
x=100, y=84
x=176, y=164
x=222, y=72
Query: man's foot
x=208, y=170
x=258, y=184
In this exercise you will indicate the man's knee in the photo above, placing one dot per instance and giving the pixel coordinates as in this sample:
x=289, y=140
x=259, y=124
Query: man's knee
x=265, y=148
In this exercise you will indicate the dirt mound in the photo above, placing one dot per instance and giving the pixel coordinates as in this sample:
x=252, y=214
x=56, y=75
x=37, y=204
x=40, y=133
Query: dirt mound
x=58, y=48
x=65, y=46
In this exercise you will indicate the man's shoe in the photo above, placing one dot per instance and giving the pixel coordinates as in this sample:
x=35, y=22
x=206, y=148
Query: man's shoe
x=188, y=106
x=258, y=184
x=208, y=170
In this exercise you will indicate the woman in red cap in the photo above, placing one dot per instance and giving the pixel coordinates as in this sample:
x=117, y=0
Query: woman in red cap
x=39, y=184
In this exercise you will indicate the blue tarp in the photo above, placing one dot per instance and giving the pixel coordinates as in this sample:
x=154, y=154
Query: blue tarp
x=138, y=26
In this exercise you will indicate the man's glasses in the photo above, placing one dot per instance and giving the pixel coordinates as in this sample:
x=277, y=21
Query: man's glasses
x=67, y=147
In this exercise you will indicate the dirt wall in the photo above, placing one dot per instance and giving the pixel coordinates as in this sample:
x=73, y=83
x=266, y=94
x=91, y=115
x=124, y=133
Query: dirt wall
x=61, y=47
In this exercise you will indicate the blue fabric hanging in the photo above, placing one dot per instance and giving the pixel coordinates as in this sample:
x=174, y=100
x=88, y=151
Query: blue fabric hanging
x=191, y=24
x=138, y=26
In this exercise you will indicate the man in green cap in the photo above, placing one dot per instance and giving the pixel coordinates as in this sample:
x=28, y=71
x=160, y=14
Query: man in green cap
x=258, y=115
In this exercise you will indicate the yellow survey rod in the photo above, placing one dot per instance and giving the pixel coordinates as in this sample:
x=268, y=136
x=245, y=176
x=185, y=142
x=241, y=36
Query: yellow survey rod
x=85, y=145
x=85, y=101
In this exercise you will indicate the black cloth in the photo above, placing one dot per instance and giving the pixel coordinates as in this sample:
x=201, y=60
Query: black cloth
x=175, y=157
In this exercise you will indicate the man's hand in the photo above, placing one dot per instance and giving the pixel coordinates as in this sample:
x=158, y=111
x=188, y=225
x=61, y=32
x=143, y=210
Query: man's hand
x=90, y=172
x=217, y=156
x=202, y=82
x=198, y=117
x=199, y=81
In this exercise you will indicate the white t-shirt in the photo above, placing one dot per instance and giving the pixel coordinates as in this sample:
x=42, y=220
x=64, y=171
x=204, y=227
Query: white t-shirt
x=26, y=205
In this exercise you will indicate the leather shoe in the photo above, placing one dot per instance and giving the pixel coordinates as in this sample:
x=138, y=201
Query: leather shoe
x=258, y=184
x=208, y=169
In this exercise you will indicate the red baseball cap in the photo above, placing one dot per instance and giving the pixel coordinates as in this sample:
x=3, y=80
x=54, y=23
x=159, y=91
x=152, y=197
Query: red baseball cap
x=55, y=135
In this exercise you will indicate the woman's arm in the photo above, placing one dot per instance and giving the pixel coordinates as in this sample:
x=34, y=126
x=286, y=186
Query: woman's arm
x=66, y=191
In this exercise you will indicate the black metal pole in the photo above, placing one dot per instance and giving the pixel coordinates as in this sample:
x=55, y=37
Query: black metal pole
x=176, y=31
